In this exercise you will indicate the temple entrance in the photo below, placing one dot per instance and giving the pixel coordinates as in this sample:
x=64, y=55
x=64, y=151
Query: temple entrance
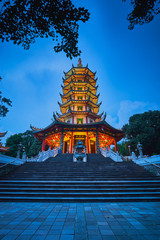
x=66, y=147
x=79, y=137
x=93, y=146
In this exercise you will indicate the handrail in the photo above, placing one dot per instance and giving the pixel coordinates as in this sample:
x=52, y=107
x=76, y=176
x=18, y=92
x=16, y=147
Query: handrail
x=42, y=156
x=152, y=163
x=7, y=163
x=113, y=155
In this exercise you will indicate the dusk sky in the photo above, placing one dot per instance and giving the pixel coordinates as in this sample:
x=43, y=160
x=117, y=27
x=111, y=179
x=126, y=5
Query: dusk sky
x=127, y=64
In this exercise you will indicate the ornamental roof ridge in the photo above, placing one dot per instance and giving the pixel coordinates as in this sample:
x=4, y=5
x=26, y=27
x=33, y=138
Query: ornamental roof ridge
x=73, y=112
x=3, y=149
x=60, y=104
x=63, y=95
x=99, y=104
x=80, y=125
x=75, y=100
x=74, y=67
x=2, y=134
x=58, y=114
x=77, y=82
x=35, y=128
x=81, y=74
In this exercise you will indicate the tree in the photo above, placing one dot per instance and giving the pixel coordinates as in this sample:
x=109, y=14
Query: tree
x=143, y=11
x=122, y=149
x=4, y=103
x=32, y=145
x=144, y=128
x=22, y=21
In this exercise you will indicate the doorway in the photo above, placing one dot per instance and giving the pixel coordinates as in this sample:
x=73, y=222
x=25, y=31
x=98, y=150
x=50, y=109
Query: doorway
x=66, y=147
x=93, y=146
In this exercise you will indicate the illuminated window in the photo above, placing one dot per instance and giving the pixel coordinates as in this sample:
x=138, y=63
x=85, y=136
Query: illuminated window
x=79, y=120
x=79, y=97
x=80, y=108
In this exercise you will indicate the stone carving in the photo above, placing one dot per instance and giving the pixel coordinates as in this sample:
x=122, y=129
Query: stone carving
x=139, y=147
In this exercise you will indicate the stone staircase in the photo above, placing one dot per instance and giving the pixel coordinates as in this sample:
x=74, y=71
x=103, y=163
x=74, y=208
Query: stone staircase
x=60, y=179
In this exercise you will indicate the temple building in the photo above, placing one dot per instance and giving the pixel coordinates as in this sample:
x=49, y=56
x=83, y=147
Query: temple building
x=79, y=117
x=2, y=148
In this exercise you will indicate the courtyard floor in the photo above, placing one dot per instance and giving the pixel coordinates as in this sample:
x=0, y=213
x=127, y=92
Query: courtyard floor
x=79, y=221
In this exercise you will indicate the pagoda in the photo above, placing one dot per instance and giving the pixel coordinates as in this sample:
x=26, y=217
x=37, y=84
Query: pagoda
x=79, y=118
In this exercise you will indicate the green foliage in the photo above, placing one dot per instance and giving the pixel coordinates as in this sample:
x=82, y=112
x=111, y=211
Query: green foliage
x=144, y=128
x=143, y=11
x=122, y=149
x=22, y=21
x=4, y=102
x=31, y=144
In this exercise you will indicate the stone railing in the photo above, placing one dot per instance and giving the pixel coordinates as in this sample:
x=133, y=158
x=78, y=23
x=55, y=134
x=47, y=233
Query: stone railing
x=5, y=160
x=152, y=163
x=42, y=156
x=143, y=161
x=113, y=155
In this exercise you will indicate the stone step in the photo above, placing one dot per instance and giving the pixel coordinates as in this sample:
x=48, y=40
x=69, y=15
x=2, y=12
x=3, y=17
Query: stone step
x=81, y=199
x=115, y=181
x=78, y=189
x=69, y=179
x=80, y=194
x=100, y=179
x=81, y=187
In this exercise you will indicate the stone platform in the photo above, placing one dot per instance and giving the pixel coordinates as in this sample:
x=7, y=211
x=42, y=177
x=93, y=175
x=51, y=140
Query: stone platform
x=80, y=221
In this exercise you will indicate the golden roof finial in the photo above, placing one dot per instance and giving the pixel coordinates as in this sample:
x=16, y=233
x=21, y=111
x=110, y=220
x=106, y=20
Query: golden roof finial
x=79, y=63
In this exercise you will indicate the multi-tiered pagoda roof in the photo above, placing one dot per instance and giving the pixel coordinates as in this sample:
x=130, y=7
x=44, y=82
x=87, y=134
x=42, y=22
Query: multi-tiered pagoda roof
x=79, y=117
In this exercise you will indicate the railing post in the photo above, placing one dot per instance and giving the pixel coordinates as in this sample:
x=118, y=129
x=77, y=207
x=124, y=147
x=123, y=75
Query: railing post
x=133, y=156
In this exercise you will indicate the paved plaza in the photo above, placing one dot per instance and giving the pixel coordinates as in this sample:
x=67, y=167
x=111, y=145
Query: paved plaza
x=79, y=221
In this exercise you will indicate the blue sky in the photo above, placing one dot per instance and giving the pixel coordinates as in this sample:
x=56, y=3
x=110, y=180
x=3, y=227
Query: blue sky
x=127, y=64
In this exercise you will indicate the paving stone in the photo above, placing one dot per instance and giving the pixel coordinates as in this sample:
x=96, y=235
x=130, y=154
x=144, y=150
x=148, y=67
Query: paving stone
x=52, y=237
x=24, y=237
x=95, y=237
x=140, y=222
x=108, y=237
x=10, y=237
x=80, y=237
x=67, y=237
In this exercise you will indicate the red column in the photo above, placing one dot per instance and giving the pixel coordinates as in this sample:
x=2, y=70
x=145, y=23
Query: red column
x=115, y=143
x=73, y=120
x=43, y=145
x=87, y=143
x=50, y=147
x=109, y=148
x=71, y=150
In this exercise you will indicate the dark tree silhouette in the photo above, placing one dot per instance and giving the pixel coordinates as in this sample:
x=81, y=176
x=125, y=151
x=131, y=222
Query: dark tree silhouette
x=22, y=21
x=4, y=103
x=32, y=145
x=143, y=11
x=144, y=128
